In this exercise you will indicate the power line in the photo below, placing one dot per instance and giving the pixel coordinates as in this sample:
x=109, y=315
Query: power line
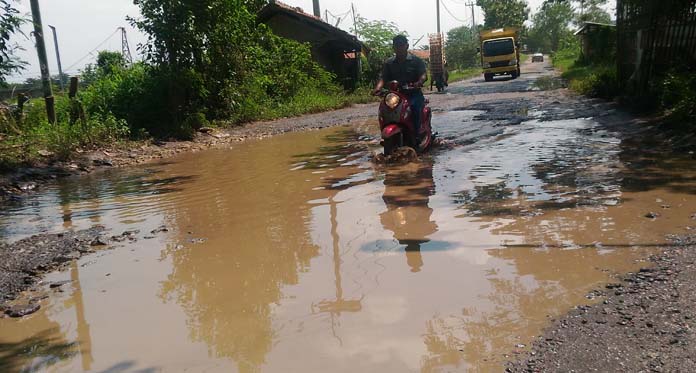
x=118, y=29
x=453, y=16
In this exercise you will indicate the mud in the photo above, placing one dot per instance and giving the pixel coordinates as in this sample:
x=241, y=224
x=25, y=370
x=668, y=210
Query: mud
x=249, y=255
x=644, y=322
x=25, y=262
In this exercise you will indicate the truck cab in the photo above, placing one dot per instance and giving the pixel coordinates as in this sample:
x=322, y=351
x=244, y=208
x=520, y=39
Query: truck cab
x=500, y=53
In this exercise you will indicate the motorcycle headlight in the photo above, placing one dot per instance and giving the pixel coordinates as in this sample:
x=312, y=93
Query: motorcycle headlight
x=513, y=62
x=392, y=100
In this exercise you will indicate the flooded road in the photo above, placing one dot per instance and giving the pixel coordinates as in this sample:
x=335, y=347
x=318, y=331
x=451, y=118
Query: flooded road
x=299, y=254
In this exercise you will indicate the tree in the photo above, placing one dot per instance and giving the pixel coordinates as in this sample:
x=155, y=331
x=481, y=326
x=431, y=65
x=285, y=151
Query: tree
x=461, y=46
x=212, y=58
x=10, y=22
x=591, y=11
x=377, y=35
x=550, y=25
x=504, y=13
x=108, y=61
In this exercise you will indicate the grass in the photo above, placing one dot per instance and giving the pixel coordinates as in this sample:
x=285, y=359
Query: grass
x=457, y=75
x=33, y=140
x=594, y=80
x=523, y=58
x=311, y=101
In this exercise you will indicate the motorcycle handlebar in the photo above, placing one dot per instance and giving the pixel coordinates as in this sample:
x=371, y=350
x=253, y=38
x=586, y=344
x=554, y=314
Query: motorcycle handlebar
x=403, y=87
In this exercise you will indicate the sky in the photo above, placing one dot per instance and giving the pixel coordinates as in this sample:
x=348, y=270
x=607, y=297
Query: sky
x=86, y=26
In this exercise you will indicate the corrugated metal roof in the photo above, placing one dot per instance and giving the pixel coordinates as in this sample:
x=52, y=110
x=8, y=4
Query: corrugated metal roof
x=277, y=7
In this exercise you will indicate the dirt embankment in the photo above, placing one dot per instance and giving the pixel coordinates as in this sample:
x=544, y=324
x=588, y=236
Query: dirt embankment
x=643, y=323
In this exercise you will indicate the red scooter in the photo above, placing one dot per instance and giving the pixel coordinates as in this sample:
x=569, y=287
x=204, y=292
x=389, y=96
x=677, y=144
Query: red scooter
x=396, y=120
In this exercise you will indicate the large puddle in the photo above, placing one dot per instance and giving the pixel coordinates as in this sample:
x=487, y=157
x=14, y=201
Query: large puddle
x=298, y=254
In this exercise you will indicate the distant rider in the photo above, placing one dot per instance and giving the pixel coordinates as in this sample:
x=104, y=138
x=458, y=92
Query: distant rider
x=406, y=69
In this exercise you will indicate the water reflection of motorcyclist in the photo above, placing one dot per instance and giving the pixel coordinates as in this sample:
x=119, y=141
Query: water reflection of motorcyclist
x=407, y=191
x=408, y=69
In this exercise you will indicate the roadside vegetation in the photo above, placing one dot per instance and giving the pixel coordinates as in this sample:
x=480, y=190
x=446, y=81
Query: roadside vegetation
x=592, y=77
x=463, y=74
x=552, y=33
x=191, y=76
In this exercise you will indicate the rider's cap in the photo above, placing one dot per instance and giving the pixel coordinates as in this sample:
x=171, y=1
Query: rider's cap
x=400, y=40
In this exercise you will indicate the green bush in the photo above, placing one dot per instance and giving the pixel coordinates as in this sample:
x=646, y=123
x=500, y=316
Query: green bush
x=594, y=81
x=678, y=97
x=584, y=76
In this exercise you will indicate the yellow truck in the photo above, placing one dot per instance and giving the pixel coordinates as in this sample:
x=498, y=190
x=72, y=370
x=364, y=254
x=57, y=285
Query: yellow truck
x=500, y=52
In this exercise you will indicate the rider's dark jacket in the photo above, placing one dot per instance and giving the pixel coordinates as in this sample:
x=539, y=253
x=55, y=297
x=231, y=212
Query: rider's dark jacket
x=408, y=71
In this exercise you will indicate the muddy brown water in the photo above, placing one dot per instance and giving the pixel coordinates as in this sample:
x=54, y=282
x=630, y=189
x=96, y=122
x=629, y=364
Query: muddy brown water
x=299, y=254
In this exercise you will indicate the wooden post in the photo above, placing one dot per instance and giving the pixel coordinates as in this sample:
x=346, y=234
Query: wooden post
x=73, y=87
x=77, y=110
x=43, y=61
x=21, y=100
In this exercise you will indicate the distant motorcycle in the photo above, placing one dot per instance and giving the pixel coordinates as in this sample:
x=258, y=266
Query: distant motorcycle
x=396, y=120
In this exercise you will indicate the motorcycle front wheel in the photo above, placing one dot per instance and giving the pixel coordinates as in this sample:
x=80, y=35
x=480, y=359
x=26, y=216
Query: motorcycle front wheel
x=393, y=143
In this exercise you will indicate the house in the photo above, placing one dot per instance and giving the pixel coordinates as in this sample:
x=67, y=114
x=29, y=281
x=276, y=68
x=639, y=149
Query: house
x=421, y=53
x=334, y=49
x=597, y=40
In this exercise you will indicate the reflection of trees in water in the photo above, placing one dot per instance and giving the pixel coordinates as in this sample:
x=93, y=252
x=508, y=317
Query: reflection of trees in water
x=444, y=348
x=648, y=163
x=228, y=292
x=545, y=282
x=37, y=352
x=477, y=338
x=516, y=310
x=227, y=287
x=488, y=200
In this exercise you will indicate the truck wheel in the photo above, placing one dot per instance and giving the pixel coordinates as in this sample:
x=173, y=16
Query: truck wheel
x=488, y=77
x=514, y=74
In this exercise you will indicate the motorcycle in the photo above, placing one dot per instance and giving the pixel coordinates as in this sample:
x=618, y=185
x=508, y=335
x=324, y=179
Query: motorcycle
x=396, y=120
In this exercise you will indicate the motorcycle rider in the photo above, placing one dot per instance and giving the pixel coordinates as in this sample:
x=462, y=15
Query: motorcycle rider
x=408, y=69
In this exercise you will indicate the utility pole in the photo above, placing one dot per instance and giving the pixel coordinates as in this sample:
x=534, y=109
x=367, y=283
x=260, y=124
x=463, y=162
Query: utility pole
x=437, y=8
x=473, y=20
x=317, y=10
x=43, y=61
x=355, y=23
x=60, y=67
x=125, y=48
x=326, y=16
